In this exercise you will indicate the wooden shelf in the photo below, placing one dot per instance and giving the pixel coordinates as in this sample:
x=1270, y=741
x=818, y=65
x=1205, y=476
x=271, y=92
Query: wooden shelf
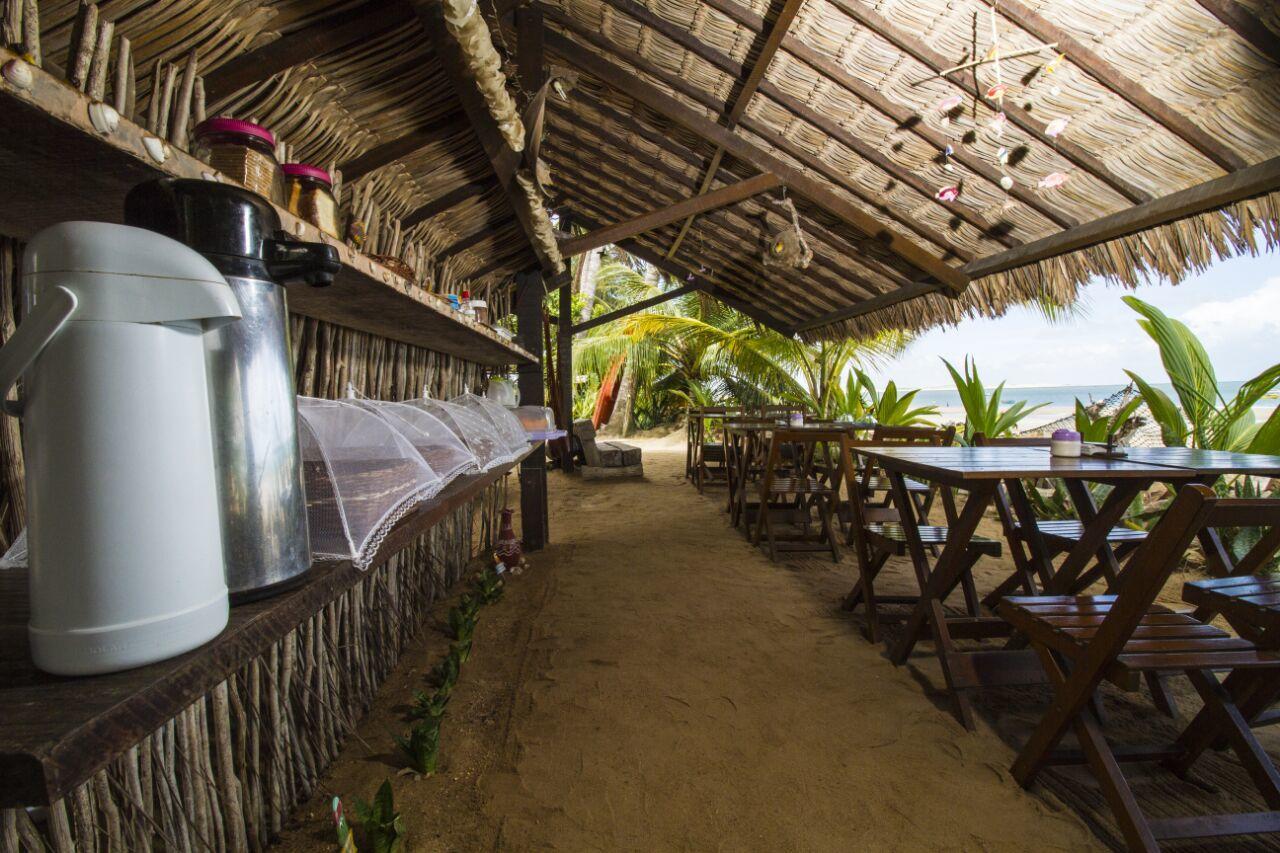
x=54, y=167
x=57, y=732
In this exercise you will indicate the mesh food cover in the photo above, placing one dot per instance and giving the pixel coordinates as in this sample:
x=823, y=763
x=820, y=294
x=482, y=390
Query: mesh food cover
x=474, y=428
x=361, y=477
x=444, y=451
x=512, y=435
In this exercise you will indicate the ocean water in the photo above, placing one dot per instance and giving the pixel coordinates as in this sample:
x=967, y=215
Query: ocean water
x=1058, y=401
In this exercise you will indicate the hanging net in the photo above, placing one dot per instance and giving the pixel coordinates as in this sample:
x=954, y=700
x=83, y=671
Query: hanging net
x=361, y=477
x=474, y=428
x=512, y=435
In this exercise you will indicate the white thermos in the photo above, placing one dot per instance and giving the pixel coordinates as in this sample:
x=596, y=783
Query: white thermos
x=124, y=538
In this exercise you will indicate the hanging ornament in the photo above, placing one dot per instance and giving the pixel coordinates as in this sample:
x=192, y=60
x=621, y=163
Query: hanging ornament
x=947, y=154
x=788, y=247
x=1003, y=155
x=1006, y=183
x=946, y=105
x=1054, y=63
x=1054, y=128
x=950, y=193
x=998, y=123
x=997, y=92
x=1053, y=180
x=1055, y=90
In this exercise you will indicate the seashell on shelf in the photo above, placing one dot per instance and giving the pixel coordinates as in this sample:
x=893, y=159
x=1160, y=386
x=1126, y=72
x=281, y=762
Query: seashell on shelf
x=156, y=148
x=104, y=117
x=18, y=73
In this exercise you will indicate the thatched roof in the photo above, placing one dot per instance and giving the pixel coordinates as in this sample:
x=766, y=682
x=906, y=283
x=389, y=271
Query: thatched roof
x=1171, y=111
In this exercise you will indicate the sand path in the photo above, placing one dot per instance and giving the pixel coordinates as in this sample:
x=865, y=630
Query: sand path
x=682, y=692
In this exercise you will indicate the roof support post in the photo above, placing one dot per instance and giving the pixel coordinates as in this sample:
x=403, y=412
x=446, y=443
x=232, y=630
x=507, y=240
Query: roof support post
x=564, y=371
x=534, y=528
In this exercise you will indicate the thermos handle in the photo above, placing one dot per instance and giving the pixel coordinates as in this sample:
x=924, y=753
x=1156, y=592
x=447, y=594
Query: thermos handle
x=314, y=263
x=55, y=308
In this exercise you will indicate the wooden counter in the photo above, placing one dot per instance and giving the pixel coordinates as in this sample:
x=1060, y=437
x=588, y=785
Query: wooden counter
x=56, y=732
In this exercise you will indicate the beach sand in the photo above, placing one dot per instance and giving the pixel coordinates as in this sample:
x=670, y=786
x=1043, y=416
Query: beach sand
x=653, y=682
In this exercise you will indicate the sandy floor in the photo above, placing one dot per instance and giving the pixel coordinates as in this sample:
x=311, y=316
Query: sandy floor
x=655, y=683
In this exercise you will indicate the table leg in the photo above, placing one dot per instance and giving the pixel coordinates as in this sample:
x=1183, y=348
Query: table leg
x=1094, y=536
x=1088, y=512
x=1041, y=559
x=946, y=573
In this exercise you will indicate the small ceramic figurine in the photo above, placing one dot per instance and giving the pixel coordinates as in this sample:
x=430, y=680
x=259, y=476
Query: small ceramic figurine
x=508, y=550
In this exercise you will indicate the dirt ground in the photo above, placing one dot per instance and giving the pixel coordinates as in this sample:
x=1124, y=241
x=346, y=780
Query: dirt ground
x=653, y=682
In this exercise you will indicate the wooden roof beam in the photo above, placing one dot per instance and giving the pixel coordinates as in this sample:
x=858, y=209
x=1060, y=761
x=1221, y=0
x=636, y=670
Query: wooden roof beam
x=488, y=231
x=324, y=36
x=913, y=290
x=797, y=181
x=513, y=257
x=1246, y=25
x=503, y=159
x=452, y=198
x=731, y=194
x=1250, y=181
x=633, y=308
x=902, y=116
x=837, y=284
x=965, y=81
x=793, y=105
x=402, y=146
x=840, y=244
x=768, y=50
x=1115, y=80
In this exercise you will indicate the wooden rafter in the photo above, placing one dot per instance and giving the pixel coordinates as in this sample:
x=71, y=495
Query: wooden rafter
x=901, y=115
x=633, y=308
x=739, y=233
x=392, y=150
x=965, y=81
x=1246, y=25
x=324, y=36
x=796, y=180
x=739, y=105
x=452, y=198
x=913, y=290
x=711, y=263
x=488, y=231
x=731, y=194
x=855, y=253
x=503, y=159
x=504, y=261
x=1116, y=81
x=1250, y=181
x=795, y=106
x=732, y=231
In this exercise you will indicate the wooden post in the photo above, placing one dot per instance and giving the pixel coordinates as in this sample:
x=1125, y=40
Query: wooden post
x=533, y=470
x=564, y=369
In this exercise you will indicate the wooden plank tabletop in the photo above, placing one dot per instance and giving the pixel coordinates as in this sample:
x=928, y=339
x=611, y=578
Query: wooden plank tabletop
x=55, y=732
x=1207, y=462
x=956, y=465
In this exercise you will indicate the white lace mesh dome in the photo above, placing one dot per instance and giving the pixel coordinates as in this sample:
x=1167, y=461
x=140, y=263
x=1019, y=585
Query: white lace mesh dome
x=444, y=451
x=361, y=477
x=510, y=432
x=473, y=427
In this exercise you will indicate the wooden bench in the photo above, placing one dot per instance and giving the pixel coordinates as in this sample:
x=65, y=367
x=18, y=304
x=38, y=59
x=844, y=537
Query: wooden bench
x=603, y=460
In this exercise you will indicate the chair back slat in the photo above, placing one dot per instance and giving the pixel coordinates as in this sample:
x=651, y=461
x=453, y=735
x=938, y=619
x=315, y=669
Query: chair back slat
x=980, y=440
x=936, y=436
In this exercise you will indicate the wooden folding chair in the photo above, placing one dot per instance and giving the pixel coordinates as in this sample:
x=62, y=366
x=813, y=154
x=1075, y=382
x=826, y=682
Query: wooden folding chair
x=1049, y=538
x=873, y=482
x=798, y=492
x=1082, y=640
x=878, y=532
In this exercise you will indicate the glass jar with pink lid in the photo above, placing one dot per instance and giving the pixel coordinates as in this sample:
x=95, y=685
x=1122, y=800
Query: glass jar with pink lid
x=243, y=151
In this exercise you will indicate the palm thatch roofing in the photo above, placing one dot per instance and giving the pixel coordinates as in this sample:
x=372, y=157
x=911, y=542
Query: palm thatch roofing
x=1131, y=136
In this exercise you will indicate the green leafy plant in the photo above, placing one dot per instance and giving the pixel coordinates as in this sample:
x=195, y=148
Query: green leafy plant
x=469, y=605
x=343, y=829
x=1203, y=417
x=380, y=828
x=982, y=410
x=1100, y=427
x=429, y=704
x=422, y=746
x=859, y=399
x=488, y=586
x=461, y=624
x=445, y=674
x=461, y=650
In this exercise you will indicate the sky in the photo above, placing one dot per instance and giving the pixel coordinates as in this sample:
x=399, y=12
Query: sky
x=1234, y=307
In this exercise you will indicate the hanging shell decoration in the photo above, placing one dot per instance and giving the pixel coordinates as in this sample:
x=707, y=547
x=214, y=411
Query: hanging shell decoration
x=1006, y=183
x=788, y=247
x=946, y=105
x=997, y=92
x=466, y=24
x=998, y=123
x=1053, y=180
x=950, y=193
x=1055, y=128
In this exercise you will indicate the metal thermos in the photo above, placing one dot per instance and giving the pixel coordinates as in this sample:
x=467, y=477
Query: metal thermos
x=250, y=371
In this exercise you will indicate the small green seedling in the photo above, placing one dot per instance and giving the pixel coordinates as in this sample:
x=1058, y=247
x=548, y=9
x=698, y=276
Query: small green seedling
x=461, y=625
x=429, y=705
x=489, y=587
x=461, y=650
x=445, y=674
x=422, y=746
x=469, y=605
x=379, y=824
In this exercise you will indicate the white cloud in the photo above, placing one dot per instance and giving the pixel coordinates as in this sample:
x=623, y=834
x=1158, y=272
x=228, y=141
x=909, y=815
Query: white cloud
x=1246, y=315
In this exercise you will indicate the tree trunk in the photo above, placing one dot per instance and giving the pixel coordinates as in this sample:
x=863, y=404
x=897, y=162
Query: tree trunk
x=626, y=398
x=589, y=267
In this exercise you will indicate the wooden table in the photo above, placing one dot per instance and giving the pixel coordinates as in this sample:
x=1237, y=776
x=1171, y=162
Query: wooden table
x=979, y=472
